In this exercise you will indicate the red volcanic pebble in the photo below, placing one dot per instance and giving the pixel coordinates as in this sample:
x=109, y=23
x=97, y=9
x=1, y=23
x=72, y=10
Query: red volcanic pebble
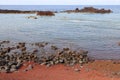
x=56, y=72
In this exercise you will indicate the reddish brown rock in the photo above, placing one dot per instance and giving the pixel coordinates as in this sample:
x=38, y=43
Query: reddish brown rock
x=45, y=13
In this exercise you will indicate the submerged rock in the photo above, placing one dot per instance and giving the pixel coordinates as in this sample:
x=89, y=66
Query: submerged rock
x=54, y=47
x=32, y=17
x=67, y=57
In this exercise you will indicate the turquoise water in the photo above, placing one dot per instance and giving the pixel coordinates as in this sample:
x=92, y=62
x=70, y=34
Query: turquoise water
x=97, y=33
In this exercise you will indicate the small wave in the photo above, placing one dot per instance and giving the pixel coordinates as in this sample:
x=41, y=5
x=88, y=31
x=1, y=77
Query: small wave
x=75, y=21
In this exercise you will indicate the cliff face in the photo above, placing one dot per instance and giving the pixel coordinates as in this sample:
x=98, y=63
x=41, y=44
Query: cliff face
x=89, y=10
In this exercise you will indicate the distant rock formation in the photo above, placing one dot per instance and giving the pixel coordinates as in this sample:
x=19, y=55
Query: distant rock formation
x=16, y=11
x=40, y=13
x=45, y=13
x=89, y=10
x=51, y=13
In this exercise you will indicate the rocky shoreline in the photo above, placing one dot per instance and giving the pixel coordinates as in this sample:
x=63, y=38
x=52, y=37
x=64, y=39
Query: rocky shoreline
x=13, y=55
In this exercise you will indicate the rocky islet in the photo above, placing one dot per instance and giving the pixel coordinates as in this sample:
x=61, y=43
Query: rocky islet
x=89, y=10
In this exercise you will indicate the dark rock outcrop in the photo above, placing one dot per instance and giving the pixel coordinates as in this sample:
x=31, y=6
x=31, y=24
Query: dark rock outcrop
x=89, y=10
x=16, y=11
x=95, y=10
x=40, y=13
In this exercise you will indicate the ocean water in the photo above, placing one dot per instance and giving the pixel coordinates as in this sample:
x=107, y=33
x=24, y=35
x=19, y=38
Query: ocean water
x=97, y=33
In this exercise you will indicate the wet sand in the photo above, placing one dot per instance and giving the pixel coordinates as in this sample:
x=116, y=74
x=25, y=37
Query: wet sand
x=91, y=71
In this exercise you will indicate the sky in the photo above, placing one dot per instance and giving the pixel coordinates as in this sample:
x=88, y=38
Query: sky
x=59, y=2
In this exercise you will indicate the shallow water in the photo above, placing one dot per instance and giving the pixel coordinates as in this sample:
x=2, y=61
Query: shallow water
x=97, y=33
